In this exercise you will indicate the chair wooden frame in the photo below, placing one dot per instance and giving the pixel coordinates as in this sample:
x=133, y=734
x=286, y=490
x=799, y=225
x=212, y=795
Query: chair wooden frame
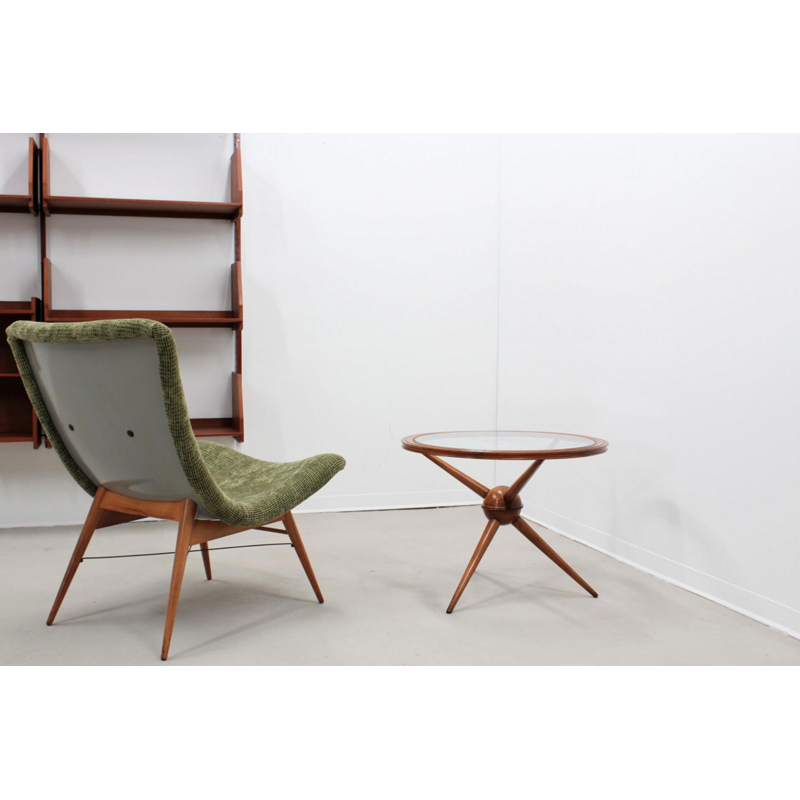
x=110, y=508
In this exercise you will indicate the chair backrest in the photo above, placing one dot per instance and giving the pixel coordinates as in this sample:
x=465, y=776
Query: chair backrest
x=103, y=404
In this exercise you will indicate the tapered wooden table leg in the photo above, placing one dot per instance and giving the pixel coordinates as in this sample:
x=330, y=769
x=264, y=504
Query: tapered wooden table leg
x=483, y=546
x=530, y=534
x=206, y=558
x=89, y=527
x=299, y=547
x=188, y=510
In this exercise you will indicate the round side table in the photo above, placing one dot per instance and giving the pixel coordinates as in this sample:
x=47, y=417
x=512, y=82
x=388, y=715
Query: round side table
x=502, y=505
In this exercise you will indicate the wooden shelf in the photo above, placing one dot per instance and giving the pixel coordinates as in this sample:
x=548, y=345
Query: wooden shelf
x=18, y=422
x=213, y=426
x=119, y=207
x=14, y=204
x=123, y=207
x=18, y=308
x=175, y=319
x=24, y=203
x=22, y=436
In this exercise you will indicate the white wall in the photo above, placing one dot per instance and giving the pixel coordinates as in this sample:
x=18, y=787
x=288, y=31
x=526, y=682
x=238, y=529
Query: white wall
x=371, y=313
x=369, y=287
x=648, y=288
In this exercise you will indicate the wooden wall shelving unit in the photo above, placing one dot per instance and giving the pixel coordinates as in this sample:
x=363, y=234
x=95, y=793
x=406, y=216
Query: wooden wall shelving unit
x=233, y=318
x=18, y=422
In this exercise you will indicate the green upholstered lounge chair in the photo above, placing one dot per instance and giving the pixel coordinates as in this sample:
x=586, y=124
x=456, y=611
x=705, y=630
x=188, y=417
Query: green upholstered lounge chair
x=110, y=399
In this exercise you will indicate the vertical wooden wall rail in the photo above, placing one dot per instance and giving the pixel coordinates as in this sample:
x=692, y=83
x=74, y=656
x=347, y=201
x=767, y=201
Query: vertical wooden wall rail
x=43, y=230
x=44, y=305
x=44, y=172
x=236, y=405
x=33, y=177
x=237, y=306
x=237, y=191
x=47, y=287
x=237, y=196
x=36, y=426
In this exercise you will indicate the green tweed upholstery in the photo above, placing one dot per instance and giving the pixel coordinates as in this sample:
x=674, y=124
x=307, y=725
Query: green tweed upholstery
x=234, y=487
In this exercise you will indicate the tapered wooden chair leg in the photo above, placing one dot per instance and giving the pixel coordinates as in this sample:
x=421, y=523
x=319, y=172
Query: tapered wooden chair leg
x=188, y=510
x=483, y=546
x=294, y=537
x=530, y=534
x=89, y=527
x=206, y=558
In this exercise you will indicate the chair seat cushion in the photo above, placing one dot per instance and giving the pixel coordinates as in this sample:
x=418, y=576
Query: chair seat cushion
x=262, y=491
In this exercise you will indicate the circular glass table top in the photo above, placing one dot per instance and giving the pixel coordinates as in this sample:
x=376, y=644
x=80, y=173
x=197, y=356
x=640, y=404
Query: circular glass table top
x=505, y=445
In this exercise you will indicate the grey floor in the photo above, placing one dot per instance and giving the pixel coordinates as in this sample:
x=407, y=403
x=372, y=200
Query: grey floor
x=387, y=577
